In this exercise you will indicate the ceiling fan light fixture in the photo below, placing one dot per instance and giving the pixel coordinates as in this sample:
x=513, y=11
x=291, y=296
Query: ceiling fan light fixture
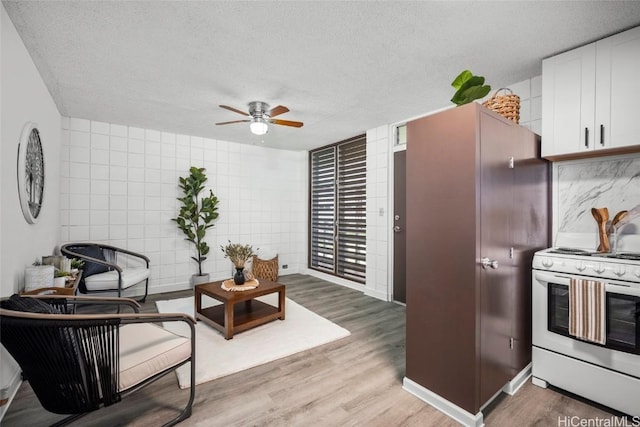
x=258, y=126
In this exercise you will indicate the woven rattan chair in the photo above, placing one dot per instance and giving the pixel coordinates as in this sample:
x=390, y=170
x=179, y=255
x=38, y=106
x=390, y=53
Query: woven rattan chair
x=108, y=268
x=78, y=363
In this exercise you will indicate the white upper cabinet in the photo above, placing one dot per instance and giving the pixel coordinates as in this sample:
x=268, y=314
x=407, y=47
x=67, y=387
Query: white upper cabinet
x=568, y=101
x=617, y=89
x=589, y=97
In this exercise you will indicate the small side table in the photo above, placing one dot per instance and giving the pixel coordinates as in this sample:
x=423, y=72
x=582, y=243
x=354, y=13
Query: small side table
x=232, y=317
x=70, y=289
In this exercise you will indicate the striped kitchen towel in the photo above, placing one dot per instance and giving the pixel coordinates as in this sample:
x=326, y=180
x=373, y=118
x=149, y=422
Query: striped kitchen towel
x=587, y=310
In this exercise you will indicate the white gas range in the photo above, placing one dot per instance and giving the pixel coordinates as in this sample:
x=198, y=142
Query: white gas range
x=617, y=266
x=606, y=373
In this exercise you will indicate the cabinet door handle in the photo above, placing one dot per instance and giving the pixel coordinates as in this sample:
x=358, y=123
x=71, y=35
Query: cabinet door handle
x=602, y=135
x=488, y=263
x=586, y=137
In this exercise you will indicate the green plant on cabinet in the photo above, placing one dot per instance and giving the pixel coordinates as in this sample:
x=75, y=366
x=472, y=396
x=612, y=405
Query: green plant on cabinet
x=469, y=88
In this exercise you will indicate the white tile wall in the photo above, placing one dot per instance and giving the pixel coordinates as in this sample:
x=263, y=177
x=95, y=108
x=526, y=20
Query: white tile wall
x=119, y=186
x=530, y=93
x=378, y=157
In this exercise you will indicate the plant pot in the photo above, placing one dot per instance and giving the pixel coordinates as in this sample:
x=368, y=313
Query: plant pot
x=198, y=279
x=59, y=282
x=39, y=276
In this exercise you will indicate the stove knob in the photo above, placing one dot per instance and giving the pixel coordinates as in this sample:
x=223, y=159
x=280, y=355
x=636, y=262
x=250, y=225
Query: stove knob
x=547, y=262
x=580, y=266
x=598, y=268
x=619, y=270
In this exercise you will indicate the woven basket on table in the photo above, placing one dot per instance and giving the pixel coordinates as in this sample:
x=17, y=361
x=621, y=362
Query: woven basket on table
x=507, y=105
x=266, y=268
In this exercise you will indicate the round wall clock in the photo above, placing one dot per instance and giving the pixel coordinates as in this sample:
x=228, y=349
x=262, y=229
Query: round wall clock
x=30, y=173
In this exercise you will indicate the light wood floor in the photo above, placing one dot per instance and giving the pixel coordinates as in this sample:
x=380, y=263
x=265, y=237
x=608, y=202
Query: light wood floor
x=355, y=381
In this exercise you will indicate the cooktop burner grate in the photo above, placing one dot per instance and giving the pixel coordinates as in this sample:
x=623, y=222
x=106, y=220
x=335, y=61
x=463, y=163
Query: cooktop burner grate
x=629, y=255
x=570, y=251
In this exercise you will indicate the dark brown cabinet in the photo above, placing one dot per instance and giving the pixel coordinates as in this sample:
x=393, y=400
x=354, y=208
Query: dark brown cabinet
x=476, y=190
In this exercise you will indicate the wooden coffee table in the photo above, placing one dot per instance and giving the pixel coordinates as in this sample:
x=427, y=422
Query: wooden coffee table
x=231, y=317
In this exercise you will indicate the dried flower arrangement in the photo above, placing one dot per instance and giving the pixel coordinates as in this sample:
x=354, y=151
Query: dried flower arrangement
x=237, y=253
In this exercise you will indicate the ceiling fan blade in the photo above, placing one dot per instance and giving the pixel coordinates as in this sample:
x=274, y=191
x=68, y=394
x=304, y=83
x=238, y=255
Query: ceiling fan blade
x=276, y=111
x=235, y=121
x=287, y=123
x=235, y=110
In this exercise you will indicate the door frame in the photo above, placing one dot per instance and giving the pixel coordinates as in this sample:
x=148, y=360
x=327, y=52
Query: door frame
x=391, y=210
x=393, y=134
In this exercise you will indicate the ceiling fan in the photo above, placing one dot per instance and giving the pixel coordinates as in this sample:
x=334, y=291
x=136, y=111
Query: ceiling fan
x=261, y=116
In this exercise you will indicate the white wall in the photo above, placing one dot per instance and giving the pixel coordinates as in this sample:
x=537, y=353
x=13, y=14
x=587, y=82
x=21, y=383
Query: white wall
x=530, y=93
x=120, y=183
x=379, y=154
x=24, y=98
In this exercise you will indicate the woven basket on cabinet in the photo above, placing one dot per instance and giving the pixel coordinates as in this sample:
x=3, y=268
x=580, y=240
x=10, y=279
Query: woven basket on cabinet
x=506, y=105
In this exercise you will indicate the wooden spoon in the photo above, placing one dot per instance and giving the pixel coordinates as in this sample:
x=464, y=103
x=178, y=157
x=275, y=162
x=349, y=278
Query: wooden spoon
x=616, y=219
x=601, y=215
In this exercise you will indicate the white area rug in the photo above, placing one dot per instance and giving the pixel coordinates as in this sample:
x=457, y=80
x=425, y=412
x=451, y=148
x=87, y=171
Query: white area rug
x=216, y=357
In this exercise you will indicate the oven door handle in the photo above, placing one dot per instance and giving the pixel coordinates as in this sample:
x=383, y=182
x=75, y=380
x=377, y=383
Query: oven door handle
x=623, y=290
x=545, y=278
x=553, y=278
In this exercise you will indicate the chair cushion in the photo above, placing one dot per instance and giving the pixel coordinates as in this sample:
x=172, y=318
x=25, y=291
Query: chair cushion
x=27, y=304
x=109, y=280
x=147, y=349
x=90, y=268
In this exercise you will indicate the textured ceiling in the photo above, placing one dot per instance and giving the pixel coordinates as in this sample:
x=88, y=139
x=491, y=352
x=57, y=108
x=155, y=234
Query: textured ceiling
x=341, y=67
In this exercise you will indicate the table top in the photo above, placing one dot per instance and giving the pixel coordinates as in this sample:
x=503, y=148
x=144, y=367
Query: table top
x=70, y=288
x=214, y=289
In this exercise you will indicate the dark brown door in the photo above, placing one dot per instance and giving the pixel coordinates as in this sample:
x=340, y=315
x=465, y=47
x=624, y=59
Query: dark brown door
x=496, y=279
x=399, y=226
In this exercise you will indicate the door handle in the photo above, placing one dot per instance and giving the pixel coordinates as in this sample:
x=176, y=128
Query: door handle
x=397, y=229
x=489, y=263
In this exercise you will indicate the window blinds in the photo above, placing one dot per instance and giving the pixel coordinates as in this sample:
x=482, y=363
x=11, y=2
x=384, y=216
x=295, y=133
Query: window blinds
x=338, y=209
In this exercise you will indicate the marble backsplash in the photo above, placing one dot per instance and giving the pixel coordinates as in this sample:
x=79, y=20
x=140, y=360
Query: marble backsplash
x=580, y=185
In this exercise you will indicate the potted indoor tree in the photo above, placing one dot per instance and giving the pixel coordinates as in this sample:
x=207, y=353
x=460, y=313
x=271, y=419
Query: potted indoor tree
x=196, y=216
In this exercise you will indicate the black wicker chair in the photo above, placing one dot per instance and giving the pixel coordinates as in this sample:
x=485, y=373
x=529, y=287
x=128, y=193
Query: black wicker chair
x=108, y=268
x=78, y=363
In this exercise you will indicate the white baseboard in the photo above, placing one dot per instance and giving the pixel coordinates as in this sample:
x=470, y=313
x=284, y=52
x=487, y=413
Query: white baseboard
x=376, y=294
x=333, y=279
x=443, y=405
x=518, y=381
x=170, y=287
x=347, y=283
x=9, y=391
x=454, y=411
